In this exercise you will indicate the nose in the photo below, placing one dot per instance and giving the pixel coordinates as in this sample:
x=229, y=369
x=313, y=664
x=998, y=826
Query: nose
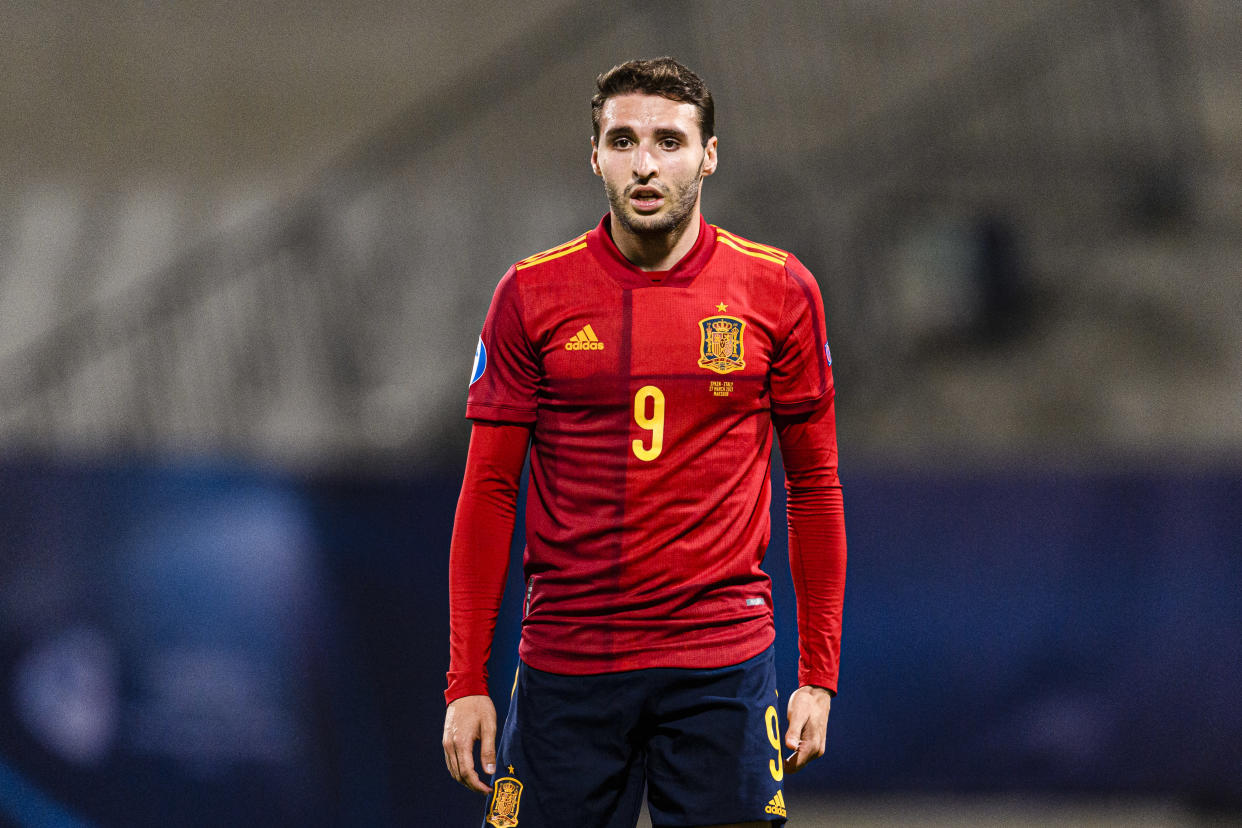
x=645, y=163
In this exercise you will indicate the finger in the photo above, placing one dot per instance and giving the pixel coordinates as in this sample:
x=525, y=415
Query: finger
x=465, y=766
x=793, y=734
x=450, y=763
x=799, y=758
x=487, y=747
x=809, y=748
x=450, y=755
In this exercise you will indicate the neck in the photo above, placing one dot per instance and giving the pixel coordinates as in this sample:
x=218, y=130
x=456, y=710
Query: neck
x=657, y=251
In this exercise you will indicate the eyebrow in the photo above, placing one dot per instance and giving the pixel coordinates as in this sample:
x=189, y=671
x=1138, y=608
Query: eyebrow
x=628, y=132
x=618, y=132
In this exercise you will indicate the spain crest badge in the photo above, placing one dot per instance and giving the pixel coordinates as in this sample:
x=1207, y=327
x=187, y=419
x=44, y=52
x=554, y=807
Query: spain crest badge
x=721, y=347
x=506, y=799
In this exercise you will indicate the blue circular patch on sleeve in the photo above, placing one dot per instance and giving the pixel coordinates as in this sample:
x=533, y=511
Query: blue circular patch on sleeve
x=480, y=362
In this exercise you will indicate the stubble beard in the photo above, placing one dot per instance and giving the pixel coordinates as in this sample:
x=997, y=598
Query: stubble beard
x=681, y=207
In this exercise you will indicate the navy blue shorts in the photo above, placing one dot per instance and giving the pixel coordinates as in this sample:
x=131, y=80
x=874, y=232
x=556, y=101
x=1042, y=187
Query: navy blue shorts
x=576, y=751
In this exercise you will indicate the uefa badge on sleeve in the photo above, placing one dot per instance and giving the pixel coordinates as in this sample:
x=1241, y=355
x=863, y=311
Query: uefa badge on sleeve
x=480, y=362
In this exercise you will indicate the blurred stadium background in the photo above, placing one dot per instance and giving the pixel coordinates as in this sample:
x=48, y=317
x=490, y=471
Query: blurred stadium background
x=245, y=252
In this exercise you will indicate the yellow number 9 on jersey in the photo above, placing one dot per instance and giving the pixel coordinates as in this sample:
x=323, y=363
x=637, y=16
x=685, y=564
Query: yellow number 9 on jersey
x=654, y=423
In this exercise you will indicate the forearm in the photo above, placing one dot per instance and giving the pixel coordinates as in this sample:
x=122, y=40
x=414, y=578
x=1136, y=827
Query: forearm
x=817, y=555
x=817, y=545
x=479, y=553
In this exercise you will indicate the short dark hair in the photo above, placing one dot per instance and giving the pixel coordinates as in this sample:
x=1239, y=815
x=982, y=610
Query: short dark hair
x=661, y=76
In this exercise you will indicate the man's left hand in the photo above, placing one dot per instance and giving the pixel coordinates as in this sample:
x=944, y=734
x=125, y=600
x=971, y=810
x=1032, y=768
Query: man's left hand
x=808, y=726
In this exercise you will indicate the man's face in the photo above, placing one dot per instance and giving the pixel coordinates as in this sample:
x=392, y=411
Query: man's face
x=652, y=160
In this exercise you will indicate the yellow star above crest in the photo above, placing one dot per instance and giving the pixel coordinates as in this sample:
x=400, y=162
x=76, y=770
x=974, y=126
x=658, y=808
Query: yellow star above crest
x=511, y=769
x=722, y=307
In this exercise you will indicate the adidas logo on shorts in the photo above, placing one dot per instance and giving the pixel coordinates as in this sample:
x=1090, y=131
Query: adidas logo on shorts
x=777, y=806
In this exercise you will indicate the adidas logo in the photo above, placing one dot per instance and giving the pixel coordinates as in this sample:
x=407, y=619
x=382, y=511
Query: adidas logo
x=777, y=806
x=584, y=340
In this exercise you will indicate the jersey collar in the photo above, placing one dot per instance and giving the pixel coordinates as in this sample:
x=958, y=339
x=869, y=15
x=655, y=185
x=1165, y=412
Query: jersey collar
x=600, y=243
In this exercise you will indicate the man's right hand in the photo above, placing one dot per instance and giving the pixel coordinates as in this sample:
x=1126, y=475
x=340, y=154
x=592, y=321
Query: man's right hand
x=468, y=720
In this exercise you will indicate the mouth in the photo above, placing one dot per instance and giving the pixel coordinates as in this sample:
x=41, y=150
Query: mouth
x=646, y=199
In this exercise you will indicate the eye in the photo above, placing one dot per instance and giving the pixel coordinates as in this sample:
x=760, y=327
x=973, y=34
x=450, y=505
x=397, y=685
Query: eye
x=621, y=143
x=670, y=144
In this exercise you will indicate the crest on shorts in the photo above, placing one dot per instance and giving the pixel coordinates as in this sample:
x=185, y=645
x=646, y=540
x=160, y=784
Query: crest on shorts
x=506, y=799
x=721, y=347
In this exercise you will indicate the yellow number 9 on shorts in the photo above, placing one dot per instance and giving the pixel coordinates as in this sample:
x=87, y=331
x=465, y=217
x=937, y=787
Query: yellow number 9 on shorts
x=777, y=766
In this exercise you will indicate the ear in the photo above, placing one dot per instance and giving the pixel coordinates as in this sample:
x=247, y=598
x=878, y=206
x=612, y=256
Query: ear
x=709, y=156
x=595, y=158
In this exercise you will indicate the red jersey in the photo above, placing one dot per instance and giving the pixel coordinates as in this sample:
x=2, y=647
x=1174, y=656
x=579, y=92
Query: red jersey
x=650, y=396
